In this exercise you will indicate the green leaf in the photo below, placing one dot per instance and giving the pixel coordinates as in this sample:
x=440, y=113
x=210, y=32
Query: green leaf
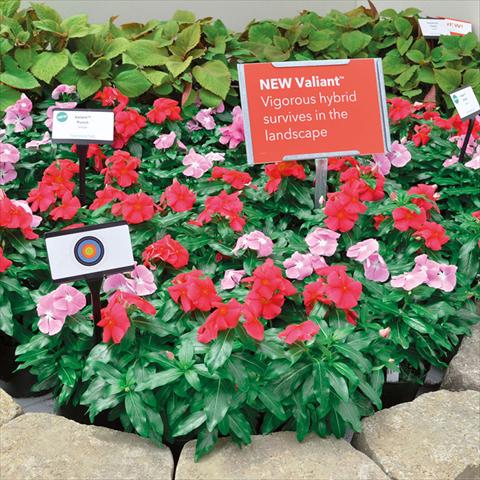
x=217, y=403
x=403, y=44
x=209, y=99
x=319, y=40
x=9, y=7
x=156, y=77
x=337, y=425
x=349, y=412
x=44, y=12
x=136, y=412
x=214, y=76
x=403, y=26
x=193, y=421
x=176, y=65
x=187, y=39
x=220, y=351
x=339, y=385
x=415, y=56
x=370, y=393
x=145, y=52
x=183, y=16
x=132, y=83
x=87, y=86
x=76, y=26
x=239, y=426
x=6, y=316
x=471, y=77
x=355, y=41
x=159, y=379
x=14, y=76
x=49, y=64
x=116, y=47
x=25, y=57
x=8, y=96
x=448, y=79
x=205, y=442
x=271, y=403
x=418, y=325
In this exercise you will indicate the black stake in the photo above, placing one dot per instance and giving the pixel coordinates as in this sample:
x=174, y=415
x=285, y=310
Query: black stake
x=82, y=155
x=471, y=122
x=95, y=284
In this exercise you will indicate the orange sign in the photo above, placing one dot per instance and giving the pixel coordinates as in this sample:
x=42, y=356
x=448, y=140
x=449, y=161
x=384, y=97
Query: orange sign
x=313, y=109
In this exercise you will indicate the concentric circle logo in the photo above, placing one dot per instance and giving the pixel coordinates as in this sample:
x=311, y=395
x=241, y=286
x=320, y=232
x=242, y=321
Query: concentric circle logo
x=62, y=116
x=89, y=251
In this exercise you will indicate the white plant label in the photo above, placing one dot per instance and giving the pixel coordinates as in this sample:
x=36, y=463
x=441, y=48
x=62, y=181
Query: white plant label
x=82, y=126
x=465, y=102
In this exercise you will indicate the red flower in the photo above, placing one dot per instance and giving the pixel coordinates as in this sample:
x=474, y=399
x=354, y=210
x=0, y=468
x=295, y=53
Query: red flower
x=225, y=205
x=300, y=332
x=94, y=151
x=121, y=168
x=430, y=194
x=58, y=175
x=14, y=216
x=135, y=208
x=5, y=263
x=313, y=293
x=404, y=218
x=42, y=197
x=276, y=171
x=399, y=109
x=168, y=250
x=224, y=317
x=433, y=234
x=476, y=214
x=342, y=211
x=343, y=290
x=354, y=183
x=378, y=220
x=179, y=197
x=107, y=195
x=340, y=164
x=194, y=291
x=422, y=135
x=164, y=108
x=234, y=178
x=109, y=95
x=253, y=326
x=68, y=209
x=127, y=123
x=115, y=321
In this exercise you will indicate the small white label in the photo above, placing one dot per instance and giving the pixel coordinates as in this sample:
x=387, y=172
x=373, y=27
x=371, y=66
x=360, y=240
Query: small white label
x=457, y=27
x=392, y=376
x=465, y=102
x=433, y=27
x=93, y=126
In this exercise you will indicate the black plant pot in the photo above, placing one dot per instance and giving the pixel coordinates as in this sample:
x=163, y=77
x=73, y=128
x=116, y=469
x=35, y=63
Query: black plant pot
x=400, y=392
x=79, y=414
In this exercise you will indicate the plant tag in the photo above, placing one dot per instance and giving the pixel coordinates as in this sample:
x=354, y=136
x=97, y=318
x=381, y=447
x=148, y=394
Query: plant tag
x=433, y=27
x=457, y=27
x=82, y=126
x=465, y=102
x=392, y=376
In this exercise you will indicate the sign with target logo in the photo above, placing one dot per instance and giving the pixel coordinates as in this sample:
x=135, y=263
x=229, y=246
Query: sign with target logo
x=89, y=252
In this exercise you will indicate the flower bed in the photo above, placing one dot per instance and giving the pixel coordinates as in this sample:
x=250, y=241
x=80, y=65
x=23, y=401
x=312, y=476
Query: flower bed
x=249, y=310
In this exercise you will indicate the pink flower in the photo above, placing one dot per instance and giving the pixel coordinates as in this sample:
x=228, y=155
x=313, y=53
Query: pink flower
x=18, y=114
x=7, y=173
x=450, y=161
x=165, y=141
x=49, y=120
x=192, y=126
x=68, y=299
x=424, y=264
x=205, y=118
x=300, y=266
x=9, y=153
x=474, y=163
x=375, y=268
x=322, y=241
x=408, y=281
x=255, y=241
x=215, y=156
x=231, y=279
x=118, y=281
x=143, y=281
x=362, y=250
x=50, y=325
x=36, y=143
x=445, y=279
x=67, y=89
x=472, y=143
x=196, y=164
x=385, y=332
x=233, y=134
x=399, y=156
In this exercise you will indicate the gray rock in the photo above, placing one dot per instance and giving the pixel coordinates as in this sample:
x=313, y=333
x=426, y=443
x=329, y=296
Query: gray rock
x=41, y=446
x=279, y=456
x=463, y=373
x=9, y=409
x=435, y=437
